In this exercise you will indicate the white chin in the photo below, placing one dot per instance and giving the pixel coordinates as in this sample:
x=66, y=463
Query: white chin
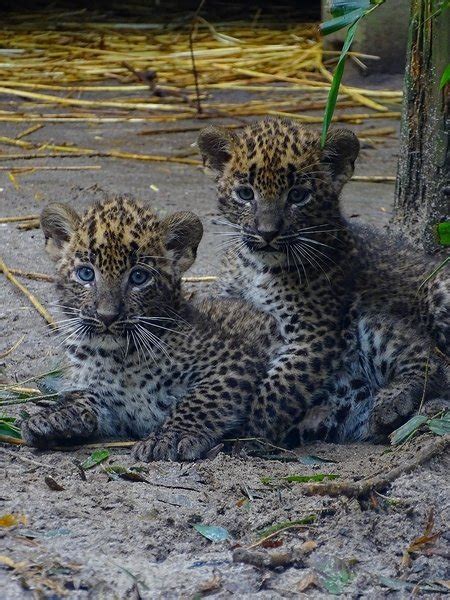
x=272, y=259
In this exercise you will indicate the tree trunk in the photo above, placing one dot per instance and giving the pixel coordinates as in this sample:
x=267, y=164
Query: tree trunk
x=422, y=198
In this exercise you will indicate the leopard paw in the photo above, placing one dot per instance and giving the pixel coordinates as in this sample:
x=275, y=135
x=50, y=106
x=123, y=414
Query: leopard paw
x=47, y=428
x=171, y=444
x=143, y=450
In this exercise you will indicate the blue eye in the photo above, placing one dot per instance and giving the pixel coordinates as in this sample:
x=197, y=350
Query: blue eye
x=298, y=196
x=85, y=274
x=245, y=193
x=139, y=277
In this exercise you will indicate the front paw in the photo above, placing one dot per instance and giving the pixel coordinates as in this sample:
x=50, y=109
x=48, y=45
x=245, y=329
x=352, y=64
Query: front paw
x=47, y=429
x=391, y=409
x=171, y=445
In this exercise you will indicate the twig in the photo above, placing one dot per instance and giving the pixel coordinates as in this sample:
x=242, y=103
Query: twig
x=95, y=103
x=69, y=150
x=191, y=50
x=29, y=225
x=275, y=533
x=183, y=129
x=374, y=178
x=34, y=301
x=32, y=275
x=19, y=218
x=6, y=439
x=13, y=347
x=28, y=131
x=362, y=488
x=49, y=168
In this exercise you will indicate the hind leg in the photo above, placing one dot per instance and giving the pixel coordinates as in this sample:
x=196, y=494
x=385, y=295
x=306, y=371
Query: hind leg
x=408, y=372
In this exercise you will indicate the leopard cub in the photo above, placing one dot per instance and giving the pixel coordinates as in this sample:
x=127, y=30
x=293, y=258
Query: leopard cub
x=144, y=362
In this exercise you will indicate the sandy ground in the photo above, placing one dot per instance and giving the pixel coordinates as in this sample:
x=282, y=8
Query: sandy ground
x=102, y=538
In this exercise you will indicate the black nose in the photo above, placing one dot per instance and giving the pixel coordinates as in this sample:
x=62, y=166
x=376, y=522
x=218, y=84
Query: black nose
x=107, y=318
x=268, y=236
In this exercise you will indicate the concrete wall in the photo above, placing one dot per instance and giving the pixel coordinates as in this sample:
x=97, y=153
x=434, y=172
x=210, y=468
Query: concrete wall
x=384, y=33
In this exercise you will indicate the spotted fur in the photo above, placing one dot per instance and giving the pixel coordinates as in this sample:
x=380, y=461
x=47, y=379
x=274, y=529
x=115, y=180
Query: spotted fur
x=144, y=362
x=359, y=333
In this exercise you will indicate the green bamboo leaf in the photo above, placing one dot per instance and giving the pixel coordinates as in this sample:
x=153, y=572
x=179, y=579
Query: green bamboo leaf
x=399, y=435
x=445, y=76
x=340, y=22
x=213, y=532
x=334, y=89
x=443, y=232
x=317, y=477
x=440, y=426
x=286, y=524
x=95, y=458
x=435, y=271
x=8, y=428
x=341, y=7
x=312, y=459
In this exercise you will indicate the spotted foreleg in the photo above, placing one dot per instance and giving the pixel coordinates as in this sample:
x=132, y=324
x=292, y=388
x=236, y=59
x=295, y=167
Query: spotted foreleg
x=286, y=392
x=199, y=421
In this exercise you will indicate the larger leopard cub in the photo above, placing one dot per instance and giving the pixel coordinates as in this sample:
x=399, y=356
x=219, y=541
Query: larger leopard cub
x=144, y=362
x=359, y=330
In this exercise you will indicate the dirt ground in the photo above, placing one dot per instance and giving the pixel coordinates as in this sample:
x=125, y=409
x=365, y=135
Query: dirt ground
x=103, y=538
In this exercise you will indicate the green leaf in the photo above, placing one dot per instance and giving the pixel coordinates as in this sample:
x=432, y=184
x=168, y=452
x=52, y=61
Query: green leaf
x=340, y=22
x=213, y=532
x=341, y=7
x=443, y=231
x=8, y=428
x=95, y=458
x=409, y=428
x=307, y=478
x=435, y=272
x=440, y=426
x=445, y=76
x=334, y=89
x=312, y=459
x=286, y=524
x=336, y=581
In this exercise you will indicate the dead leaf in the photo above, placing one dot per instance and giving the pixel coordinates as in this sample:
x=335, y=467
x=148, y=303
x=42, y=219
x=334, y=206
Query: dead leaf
x=308, y=546
x=53, y=484
x=10, y=520
x=8, y=562
x=308, y=581
x=210, y=585
x=418, y=543
x=271, y=543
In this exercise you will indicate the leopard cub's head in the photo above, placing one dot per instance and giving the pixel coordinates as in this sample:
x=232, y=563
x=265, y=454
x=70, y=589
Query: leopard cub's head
x=277, y=186
x=119, y=267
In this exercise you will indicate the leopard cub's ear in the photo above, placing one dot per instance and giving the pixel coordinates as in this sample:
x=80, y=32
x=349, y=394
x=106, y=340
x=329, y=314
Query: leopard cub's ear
x=340, y=152
x=183, y=231
x=216, y=146
x=58, y=222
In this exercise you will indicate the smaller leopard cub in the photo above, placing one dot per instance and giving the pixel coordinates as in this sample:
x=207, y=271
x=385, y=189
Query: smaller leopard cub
x=143, y=360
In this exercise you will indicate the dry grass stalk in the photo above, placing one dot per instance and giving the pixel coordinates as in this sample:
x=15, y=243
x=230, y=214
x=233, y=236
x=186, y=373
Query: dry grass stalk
x=96, y=103
x=91, y=152
x=34, y=301
x=13, y=347
x=28, y=131
x=32, y=275
x=49, y=168
x=18, y=218
x=29, y=225
x=228, y=55
x=374, y=178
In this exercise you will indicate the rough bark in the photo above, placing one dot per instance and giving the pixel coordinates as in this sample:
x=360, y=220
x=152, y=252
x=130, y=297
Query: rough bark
x=423, y=178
